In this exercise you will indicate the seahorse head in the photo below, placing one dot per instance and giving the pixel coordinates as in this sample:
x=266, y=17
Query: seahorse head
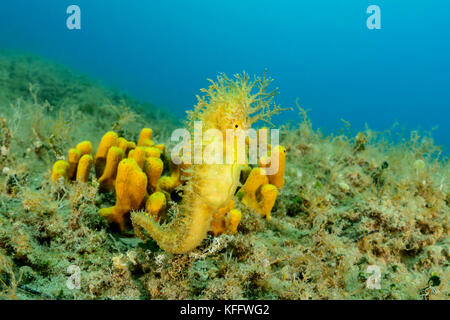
x=234, y=103
x=230, y=115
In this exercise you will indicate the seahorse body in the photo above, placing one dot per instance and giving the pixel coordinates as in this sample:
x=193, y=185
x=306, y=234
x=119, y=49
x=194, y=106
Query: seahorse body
x=210, y=188
x=228, y=104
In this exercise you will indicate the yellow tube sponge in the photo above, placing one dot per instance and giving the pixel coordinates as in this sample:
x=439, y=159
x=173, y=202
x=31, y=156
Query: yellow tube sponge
x=155, y=204
x=269, y=194
x=232, y=220
x=258, y=194
x=108, y=177
x=125, y=145
x=74, y=157
x=161, y=147
x=131, y=189
x=166, y=184
x=139, y=155
x=169, y=183
x=84, y=147
x=145, y=138
x=68, y=169
x=226, y=220
x=152, y=152
x=109, y=140
x=153, y=168
x=255, y=180
x=276, y=179
x=59, y=170
x=84, y=168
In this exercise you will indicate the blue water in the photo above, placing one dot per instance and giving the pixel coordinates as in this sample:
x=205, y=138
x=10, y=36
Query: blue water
x=318, y=50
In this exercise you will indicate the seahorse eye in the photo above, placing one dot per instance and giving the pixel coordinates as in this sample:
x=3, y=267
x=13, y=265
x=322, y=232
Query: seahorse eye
x=236, y=126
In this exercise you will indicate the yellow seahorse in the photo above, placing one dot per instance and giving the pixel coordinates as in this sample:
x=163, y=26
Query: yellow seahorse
x=227, y=104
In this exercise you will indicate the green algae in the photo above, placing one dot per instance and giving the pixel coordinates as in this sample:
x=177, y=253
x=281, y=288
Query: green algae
x=350, y=201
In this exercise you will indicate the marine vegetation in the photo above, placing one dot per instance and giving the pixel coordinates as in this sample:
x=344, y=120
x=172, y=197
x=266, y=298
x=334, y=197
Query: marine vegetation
x=79, y=166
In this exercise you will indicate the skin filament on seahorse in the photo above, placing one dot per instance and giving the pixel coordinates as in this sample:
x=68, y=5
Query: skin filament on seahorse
x=226, y=104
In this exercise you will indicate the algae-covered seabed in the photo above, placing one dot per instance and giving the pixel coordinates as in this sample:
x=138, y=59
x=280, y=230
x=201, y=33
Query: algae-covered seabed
x=350, y=201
